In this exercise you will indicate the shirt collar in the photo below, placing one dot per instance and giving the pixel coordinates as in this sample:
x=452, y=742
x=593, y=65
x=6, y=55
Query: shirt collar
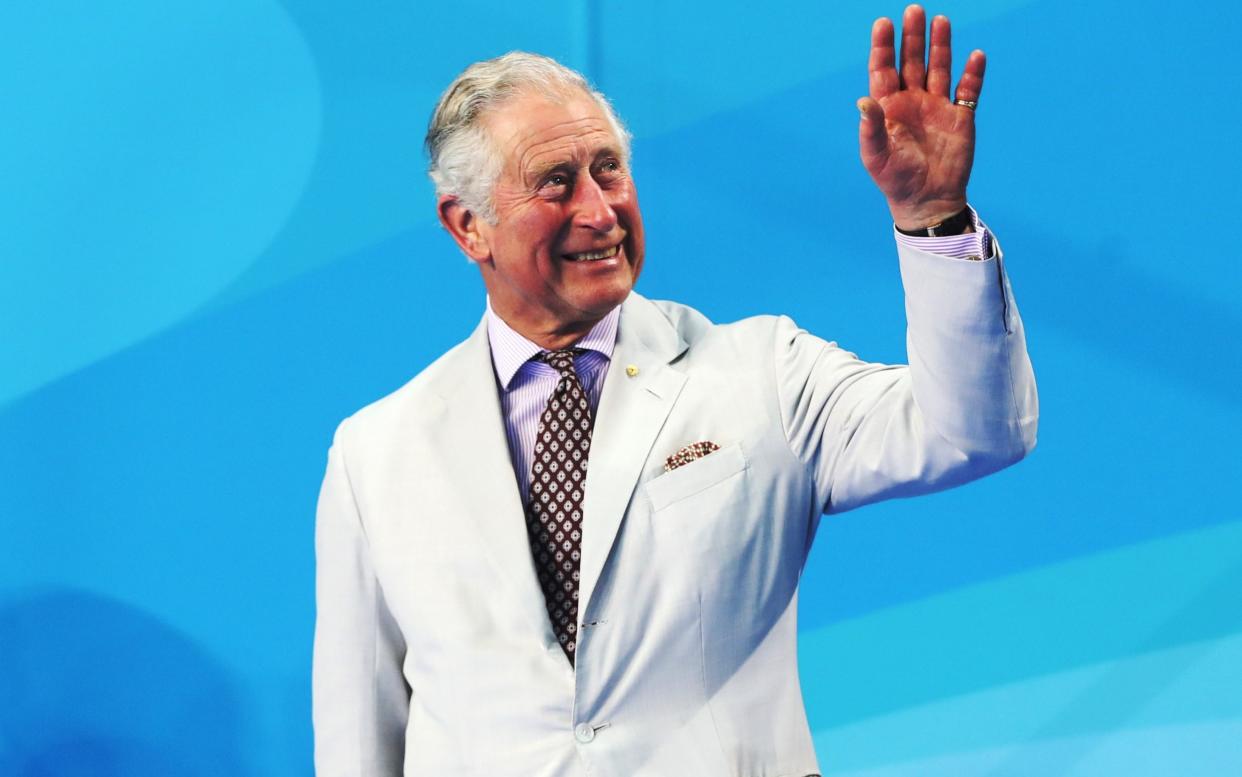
x=511, y=350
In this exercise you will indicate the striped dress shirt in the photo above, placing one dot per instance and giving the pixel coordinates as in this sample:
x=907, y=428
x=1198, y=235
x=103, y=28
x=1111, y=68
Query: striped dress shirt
x=525, y=385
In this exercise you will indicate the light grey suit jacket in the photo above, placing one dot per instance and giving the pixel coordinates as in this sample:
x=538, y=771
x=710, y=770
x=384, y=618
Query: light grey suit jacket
x=433, y=651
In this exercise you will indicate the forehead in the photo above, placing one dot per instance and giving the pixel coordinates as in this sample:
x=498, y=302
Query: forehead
x=533, y=131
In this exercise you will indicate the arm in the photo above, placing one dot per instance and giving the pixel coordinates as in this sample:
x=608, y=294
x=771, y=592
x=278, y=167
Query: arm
x=360, y=698
x=966, y=405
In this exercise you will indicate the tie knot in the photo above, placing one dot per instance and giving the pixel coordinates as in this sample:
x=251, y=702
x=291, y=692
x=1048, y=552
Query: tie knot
x=562, y=361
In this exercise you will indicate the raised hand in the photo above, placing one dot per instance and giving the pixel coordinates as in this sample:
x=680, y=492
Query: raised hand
x=917, y=143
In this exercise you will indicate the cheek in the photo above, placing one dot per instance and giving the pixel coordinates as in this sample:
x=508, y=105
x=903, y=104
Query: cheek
x=538, y=231
x=633, y=218
x=626, y=203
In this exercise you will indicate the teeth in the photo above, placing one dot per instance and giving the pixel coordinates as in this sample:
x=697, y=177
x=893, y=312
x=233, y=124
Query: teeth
x=591, y=256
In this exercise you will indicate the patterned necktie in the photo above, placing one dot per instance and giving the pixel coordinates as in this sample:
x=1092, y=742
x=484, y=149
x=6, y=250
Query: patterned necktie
x=557, y=484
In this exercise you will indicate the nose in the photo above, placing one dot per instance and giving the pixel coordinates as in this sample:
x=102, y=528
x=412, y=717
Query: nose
x=591, y=207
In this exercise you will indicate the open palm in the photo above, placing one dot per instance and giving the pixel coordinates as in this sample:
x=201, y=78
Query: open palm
x=917, y=144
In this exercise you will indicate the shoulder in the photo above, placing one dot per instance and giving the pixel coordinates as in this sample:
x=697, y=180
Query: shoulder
x=421, y=398
x=697, y=331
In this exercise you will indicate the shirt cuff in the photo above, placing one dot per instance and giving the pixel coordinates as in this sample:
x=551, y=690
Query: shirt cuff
x=975, y=245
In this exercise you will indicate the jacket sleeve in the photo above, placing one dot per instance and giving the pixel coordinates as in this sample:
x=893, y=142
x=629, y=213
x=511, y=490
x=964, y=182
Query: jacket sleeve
x=360, y=698
x=964, y=407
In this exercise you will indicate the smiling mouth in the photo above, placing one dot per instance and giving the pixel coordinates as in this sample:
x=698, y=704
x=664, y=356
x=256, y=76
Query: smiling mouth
x=594, y=256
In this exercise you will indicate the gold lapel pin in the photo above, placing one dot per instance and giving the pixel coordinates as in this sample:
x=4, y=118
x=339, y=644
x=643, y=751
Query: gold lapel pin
x=631, y=370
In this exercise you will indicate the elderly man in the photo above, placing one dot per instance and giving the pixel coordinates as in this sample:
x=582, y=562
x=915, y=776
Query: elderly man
x=572, y=544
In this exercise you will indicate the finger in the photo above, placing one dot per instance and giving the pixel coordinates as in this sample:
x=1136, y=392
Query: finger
x=913, y=34
x=971, y=84
x=882, y=75
x=940, y=57
x=872, y=134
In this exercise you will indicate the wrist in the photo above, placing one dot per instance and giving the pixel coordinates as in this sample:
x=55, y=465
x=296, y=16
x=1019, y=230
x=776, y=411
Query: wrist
x=958, y=222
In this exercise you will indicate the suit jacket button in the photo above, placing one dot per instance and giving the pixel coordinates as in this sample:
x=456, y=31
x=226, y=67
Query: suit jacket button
x=584, y=733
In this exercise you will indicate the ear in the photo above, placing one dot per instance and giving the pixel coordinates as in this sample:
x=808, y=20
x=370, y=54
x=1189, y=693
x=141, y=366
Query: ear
x=467, y=229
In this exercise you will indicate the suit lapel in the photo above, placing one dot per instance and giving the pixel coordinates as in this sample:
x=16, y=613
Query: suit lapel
x=631, y=413
x=473, y=442
x=632, y=410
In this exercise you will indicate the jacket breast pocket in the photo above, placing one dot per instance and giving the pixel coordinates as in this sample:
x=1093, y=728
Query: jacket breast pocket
x=715, y=469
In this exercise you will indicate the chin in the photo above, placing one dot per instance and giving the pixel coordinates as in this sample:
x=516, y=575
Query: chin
x=602, y=300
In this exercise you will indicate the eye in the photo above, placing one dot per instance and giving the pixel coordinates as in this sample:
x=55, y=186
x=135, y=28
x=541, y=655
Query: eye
x=555, y=182
x=608, y=169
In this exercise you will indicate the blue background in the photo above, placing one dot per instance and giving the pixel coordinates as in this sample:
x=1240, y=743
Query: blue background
x=217, y=240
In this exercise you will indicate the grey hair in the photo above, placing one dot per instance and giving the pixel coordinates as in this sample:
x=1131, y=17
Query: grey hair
x=463, y=161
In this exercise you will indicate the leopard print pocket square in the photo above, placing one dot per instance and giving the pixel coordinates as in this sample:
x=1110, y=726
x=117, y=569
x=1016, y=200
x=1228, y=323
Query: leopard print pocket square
x=689, y=453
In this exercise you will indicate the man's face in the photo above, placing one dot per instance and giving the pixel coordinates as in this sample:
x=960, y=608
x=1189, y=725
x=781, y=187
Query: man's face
x=567, y=245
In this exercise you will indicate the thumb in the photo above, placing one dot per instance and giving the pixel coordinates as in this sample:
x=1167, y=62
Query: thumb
x=872, y=134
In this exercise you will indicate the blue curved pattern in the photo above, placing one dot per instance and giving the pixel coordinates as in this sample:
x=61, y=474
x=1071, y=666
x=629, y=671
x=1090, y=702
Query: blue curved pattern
x=216, y=240
x=94, y=686
x=149, y=158
x=1090, y=651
